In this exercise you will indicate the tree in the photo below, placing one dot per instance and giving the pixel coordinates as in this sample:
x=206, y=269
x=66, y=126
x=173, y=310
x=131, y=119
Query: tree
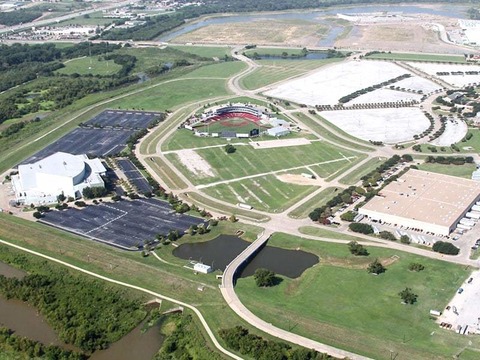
x=376, y=267
x=37, y=215
x=361, y=228
x=357, y=249
x=407, y=296
x=348, y=216
x=407, y=157
x=173, y=235
x=61, y=197
x=233, y=218
x=264, y=277
x=415, y=267
x=404, y=239
x=387, y=235
x=230, y=149
x=444, y=247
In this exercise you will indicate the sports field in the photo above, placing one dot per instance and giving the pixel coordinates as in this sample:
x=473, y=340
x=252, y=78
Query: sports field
x=248, y=161
x=263, y=193
x=236, y=124
x=339, y=303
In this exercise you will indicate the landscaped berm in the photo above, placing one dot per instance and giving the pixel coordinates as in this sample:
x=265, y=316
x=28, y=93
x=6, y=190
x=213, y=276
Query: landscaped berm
x=236, y=121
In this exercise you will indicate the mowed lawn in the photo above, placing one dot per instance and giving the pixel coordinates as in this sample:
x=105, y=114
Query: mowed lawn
x=263, y=193
x=318, y=200
x=89, y=65
x=272, y=71
x=204, y=51
x=464, y=171
x=339, y=303
x=249, y=161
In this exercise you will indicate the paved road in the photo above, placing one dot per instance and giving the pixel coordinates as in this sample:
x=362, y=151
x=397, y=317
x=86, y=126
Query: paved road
x=228, y=292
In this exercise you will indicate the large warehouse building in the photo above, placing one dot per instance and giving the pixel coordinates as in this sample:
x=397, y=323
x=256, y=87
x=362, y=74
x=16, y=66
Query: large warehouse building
x=41, y=182
x=427, y=201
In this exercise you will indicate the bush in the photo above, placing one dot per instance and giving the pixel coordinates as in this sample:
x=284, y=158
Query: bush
x=416, y=267
x=404, y=239
x=357, y=249
x=264, y=277
x=37, y=215
x=408, y=297
x=230, y=149
x=348, y=216
x=387, y=235
x=376, y=267
x=361, y=228
x=445, y=248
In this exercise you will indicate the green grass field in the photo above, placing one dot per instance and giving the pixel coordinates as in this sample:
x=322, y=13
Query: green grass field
x=273, y=71
x=318, y=200
x=262, y=51
x=418, y=57
x=250, y=161
x=90, y=65
x=464, y=171
x=326, y=233
x=265, y=193
x=339, y=303
x=353, y=177
x=221, y=70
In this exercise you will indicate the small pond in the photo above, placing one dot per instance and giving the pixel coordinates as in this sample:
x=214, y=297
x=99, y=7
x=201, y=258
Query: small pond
x=220, y=251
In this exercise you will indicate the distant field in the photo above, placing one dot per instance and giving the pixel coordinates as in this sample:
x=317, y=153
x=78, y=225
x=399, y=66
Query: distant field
x=95, y=18
x=318, y=200
x=222, y=70
x=262, y=51
x=265, y=193
x=464, y=171
x=325, y=232
x=90, y=65
x=273, y=71
x=339, y=303
x=418, y=57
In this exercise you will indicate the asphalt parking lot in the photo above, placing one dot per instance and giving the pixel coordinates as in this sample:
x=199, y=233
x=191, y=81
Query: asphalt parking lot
x=134, y=176
x=125, y=224
x=96, y=142
x=125, y=119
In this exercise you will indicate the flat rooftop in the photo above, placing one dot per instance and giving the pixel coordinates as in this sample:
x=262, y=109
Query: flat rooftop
x=425, y=196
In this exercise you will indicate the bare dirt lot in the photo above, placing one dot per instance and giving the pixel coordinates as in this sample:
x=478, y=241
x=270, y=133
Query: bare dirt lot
x=261, y=32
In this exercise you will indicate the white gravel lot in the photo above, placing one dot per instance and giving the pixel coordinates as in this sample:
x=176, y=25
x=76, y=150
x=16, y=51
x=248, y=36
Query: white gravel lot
x=330, y=83
x=455, y=80
x=387, y=125
x=455, y=131
x=418, y=83
x=384, y=95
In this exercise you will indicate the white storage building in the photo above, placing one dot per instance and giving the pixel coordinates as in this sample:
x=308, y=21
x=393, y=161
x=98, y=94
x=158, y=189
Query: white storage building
x=424, y=200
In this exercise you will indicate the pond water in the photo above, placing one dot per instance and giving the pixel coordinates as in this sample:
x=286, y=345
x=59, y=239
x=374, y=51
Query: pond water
x=11, y=272
x=135, y=345
x=447, y=10
x=220, y=251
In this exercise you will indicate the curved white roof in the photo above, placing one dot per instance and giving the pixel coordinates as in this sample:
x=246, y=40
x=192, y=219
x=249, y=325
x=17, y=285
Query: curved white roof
x=60, y=164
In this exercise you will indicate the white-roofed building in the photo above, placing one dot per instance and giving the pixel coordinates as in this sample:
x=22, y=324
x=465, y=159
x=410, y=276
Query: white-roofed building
x=42, y=181
x=278, y=131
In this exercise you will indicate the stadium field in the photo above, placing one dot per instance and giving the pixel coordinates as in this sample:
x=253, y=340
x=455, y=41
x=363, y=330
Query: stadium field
x=236, y=124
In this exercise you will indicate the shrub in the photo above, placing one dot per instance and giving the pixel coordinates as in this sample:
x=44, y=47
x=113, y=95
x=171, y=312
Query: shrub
x=348, y=216
x=264, y=277
x=404, y=239
x=387, y=235
x=408, y=297
x=376, y=267
x=361, y=228
x=416, y=267
x=445, y=248
x=357, y=249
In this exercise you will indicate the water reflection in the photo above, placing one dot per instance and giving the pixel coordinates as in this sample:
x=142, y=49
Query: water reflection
x=223, y=249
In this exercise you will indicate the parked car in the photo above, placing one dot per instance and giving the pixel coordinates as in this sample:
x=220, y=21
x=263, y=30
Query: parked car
x=460, y=290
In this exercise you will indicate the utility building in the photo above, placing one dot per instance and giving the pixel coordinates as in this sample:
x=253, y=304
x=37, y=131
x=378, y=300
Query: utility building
x=61, y=173
x=427, y=201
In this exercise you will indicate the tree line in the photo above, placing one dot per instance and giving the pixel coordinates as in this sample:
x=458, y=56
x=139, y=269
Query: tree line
x=84, y=312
